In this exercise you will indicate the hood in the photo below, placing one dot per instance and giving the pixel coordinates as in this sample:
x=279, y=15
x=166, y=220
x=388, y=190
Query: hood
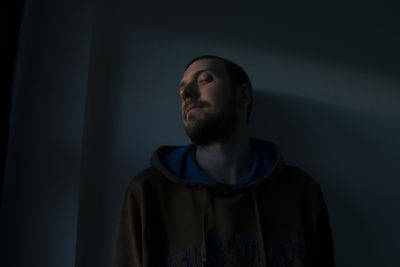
x=177, y=164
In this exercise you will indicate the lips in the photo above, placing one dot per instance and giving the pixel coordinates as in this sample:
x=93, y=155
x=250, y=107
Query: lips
x=191, y=107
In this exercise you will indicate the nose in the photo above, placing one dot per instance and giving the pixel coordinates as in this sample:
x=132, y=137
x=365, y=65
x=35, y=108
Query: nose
x=189, y=91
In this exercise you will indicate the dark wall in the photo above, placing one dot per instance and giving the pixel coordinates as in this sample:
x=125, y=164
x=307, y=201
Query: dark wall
x=10, y=20
x=40, y=199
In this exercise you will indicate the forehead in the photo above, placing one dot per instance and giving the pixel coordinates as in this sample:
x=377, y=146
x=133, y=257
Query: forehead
x=215, y=65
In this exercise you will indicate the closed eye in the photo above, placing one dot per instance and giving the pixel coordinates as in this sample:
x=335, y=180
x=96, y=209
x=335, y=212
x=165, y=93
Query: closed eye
x=206, y=80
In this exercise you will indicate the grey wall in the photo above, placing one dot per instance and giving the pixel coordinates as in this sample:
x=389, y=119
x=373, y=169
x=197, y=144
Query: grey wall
x=326, y=91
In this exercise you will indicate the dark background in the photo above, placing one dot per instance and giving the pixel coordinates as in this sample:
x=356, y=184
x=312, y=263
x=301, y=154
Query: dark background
x=93, y=91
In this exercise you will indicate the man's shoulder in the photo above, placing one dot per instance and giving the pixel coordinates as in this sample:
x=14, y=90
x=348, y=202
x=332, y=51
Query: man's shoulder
x=145, y=178
x=293, y=175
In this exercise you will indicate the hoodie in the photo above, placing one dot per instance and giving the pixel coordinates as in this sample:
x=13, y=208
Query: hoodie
x=174, y=215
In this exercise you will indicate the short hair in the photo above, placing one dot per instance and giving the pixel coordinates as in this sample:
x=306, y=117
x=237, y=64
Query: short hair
x=236, y=74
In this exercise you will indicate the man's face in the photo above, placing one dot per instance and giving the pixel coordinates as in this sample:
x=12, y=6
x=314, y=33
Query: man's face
x=208, y=102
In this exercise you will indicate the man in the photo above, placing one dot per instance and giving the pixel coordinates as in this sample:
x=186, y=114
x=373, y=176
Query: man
x=226, y=199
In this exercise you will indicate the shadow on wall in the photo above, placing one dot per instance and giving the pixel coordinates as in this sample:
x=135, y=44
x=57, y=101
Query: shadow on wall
x=353, y=156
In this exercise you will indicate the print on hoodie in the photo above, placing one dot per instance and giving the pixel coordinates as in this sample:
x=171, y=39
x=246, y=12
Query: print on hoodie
x=239, y=250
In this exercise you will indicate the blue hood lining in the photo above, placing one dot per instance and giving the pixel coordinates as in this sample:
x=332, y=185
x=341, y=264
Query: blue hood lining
x=180, y=161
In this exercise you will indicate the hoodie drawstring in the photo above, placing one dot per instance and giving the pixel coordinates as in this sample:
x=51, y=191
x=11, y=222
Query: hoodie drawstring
x=263, y=257
x=261, y=253
x=204, y=238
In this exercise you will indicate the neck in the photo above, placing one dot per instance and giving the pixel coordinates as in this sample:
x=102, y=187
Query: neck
x=227, y=161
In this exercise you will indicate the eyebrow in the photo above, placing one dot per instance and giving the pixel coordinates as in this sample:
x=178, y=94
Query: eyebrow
x=196, y=74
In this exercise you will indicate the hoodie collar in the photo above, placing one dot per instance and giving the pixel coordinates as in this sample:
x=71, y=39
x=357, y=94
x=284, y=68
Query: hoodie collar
x=177, y=163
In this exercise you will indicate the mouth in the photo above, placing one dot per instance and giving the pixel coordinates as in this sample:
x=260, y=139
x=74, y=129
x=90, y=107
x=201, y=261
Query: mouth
x=192, y=108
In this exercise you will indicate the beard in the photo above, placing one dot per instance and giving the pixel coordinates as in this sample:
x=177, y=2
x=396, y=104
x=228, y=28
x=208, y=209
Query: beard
x=212, y=127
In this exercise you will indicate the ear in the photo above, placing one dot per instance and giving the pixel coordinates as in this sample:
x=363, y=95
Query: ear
x=245, y=93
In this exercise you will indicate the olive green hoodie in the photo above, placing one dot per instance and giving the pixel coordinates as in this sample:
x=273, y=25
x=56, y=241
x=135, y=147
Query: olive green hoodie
x=280, y=220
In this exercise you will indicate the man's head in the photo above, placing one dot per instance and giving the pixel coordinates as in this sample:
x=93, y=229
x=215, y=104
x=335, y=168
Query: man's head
x=221, y=93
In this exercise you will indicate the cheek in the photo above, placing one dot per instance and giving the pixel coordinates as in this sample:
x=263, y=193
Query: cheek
x=227, y=98
x=217, y=95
